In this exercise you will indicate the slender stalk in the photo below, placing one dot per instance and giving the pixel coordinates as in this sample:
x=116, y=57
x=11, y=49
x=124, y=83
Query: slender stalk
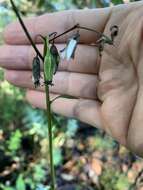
x=47, y=99
x=67, y=31
x=25, y=29
x=77, y=26
x=48, y=104
x=91, y=30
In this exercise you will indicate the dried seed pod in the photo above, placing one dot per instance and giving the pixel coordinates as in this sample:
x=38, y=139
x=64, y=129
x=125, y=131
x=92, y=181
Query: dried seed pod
x=54, y=50
x=36, y=71
x=55, y=57
x=114, y=31
x=69, y=52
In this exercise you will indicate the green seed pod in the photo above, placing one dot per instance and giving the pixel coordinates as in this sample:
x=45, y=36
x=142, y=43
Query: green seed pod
x=48, y=66
x=36, y=71
x=51, y=61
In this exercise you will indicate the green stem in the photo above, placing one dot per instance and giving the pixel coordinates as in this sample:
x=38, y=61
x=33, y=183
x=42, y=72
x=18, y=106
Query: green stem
x=50, y=137
x=49, y=116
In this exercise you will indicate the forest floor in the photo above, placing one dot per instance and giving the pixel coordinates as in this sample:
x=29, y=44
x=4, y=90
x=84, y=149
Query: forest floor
x=93, y=161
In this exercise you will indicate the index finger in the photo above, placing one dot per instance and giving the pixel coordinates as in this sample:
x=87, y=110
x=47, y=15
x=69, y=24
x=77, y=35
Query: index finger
x=59, y=22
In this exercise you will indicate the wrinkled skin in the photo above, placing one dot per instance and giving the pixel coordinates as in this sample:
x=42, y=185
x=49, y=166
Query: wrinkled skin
x=110, y=88
x=121, y=80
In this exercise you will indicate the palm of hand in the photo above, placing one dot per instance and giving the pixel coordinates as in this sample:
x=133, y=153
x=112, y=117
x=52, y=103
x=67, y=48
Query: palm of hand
x=121, y=80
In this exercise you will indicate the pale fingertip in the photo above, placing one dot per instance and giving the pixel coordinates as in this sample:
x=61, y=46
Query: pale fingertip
x=8, y=32
x=14, y=33
x=6, y=74
x=10, y=76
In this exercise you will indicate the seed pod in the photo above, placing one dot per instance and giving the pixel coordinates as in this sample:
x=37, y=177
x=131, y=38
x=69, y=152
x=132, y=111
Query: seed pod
x=114, y=31
x=49, y=67
x=69, y=52
x=36, y=71
x=55, y=58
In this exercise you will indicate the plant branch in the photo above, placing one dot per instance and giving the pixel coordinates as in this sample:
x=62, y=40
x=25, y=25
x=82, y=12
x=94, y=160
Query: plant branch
x=67, y=31
x=92, y=30
x=77, y=26
x=25, y=29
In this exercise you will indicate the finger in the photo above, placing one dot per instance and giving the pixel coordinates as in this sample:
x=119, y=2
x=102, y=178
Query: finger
x=59, y=22
x=87, y=111
x=75, y=84
x=21, y=57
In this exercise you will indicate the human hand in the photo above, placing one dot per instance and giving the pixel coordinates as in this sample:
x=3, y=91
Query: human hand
x=110, y=88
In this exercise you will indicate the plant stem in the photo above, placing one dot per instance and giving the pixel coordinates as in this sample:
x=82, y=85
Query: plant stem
x=67, y=31
x=47, y=99
x=50, y=134
x=77, y=26
x=25, y=30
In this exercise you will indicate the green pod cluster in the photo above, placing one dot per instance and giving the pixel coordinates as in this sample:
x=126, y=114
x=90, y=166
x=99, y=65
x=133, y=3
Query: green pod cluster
x=51, y=61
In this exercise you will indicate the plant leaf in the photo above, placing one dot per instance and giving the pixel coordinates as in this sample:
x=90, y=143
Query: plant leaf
x=57, y=156
x=64, y=96
x=20, y=184
x=15, y=141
